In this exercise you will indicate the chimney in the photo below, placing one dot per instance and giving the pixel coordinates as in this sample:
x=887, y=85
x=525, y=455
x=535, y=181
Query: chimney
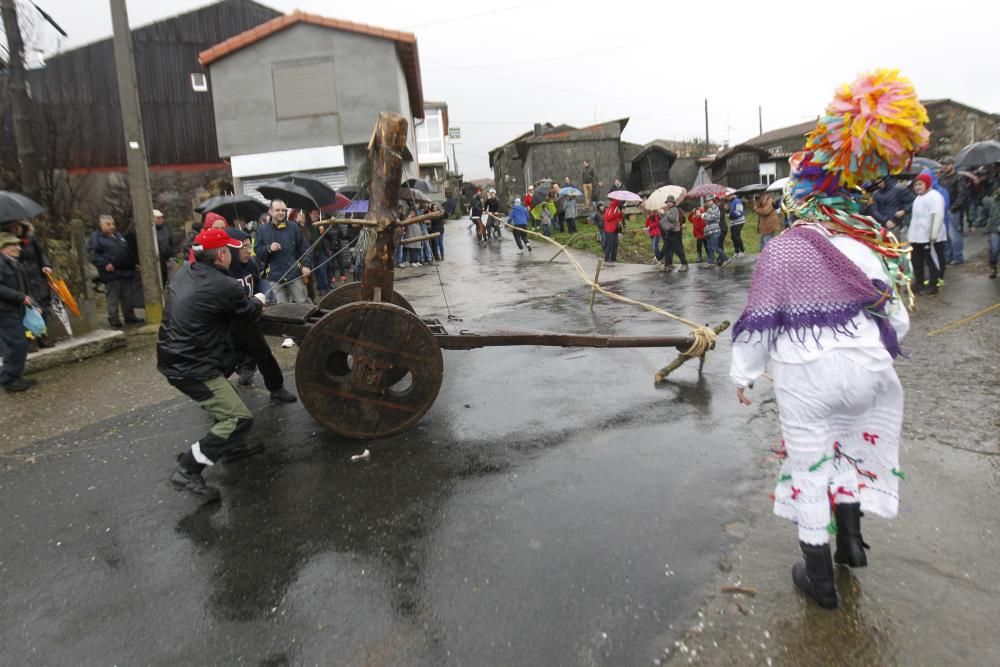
x=538, y=130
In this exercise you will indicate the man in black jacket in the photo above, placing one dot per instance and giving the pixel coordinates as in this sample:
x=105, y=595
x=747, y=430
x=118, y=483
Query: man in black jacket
x=13, y=298
x=109, y=252
x=195, y=351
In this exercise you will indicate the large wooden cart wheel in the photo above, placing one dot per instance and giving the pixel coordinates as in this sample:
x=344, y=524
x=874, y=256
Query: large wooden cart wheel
x=368, y=370
x=351, y=293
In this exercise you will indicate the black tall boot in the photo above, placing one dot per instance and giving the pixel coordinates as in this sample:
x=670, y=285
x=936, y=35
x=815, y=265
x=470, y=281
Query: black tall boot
x=850, y=545
x=814, y=577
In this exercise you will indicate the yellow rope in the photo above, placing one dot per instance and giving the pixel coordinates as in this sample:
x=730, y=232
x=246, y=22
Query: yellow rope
x=704, y=337
x=964, y=320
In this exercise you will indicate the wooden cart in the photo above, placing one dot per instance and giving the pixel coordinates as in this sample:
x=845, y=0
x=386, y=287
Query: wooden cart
x=368, y=366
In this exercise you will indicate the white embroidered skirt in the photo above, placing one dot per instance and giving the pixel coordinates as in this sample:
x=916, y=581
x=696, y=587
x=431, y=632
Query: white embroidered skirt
x=840, y=423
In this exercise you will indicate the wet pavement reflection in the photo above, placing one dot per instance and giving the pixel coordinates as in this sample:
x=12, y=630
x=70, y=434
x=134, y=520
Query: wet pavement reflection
x=553, y=507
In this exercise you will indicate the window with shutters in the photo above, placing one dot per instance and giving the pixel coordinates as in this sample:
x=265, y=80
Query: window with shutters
x=304, y=88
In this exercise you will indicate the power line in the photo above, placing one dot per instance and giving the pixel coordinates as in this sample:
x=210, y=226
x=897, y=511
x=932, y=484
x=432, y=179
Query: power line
x=569, y=56
x=455, y=19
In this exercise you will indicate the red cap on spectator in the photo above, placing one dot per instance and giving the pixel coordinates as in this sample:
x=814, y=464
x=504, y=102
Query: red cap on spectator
x=925, y=178
x=213, y=239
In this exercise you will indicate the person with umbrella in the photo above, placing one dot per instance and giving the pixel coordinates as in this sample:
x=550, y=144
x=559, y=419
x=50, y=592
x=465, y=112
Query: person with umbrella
x=614, y=219
x=673, y=239
x=14, y=298
x=116, y=268
x=37, y=269
x=768, y=223
x=281, y=249
x=713, y=221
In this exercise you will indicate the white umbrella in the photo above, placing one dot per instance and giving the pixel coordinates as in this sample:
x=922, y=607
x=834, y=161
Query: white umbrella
x=658, y=198
x=778, y=185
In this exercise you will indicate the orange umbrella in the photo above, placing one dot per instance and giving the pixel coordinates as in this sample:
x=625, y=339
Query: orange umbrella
x=58, y=286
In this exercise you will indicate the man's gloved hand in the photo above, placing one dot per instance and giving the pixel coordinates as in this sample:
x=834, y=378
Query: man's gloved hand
x=260, y=297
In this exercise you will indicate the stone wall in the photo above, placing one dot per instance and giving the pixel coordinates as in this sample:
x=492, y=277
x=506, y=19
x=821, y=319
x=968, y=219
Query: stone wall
x=954, y=126
x=557, y=159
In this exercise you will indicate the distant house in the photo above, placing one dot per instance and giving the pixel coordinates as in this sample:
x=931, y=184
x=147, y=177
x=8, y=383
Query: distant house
x=302, y=93
x=741, y=165
x=432, y=144
x=554, y=152
x=650, y=166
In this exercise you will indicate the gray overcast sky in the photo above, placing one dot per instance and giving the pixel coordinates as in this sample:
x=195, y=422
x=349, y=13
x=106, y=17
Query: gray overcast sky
x=504, y=65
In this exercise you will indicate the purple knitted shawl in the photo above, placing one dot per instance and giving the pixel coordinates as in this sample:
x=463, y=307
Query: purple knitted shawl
x=803, y=284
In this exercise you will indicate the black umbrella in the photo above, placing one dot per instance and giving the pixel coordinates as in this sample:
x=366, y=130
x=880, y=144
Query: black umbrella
x=321, y=193
x=15, y=206
x=294, y=195
x=751, y=189
x=406, y=194
x=978, y=154
x=233, y=206
x=419, y=184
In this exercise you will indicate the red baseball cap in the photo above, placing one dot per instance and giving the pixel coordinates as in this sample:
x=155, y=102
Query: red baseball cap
x=213, y=239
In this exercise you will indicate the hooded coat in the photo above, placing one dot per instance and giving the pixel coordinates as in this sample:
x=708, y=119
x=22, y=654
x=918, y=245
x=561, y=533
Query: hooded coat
x=613, y=216
x=33, y=259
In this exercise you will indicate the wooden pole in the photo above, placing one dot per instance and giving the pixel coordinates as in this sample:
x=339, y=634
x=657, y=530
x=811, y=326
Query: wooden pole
x=662, y=374
x=597, y=276
x=562, y=247
x=386, y=153
x=138, y=168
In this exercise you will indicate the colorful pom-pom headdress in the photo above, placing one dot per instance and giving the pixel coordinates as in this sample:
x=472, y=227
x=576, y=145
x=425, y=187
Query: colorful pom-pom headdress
x=870, y=130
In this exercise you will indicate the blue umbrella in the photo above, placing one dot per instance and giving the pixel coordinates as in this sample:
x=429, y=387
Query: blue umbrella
x=570, y=191
x=356, y=206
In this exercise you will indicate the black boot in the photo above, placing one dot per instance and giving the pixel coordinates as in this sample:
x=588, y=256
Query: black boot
x=814, y=577
x=850, y=545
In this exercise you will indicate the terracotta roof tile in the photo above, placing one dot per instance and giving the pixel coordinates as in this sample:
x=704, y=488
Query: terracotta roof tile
x=406, y=46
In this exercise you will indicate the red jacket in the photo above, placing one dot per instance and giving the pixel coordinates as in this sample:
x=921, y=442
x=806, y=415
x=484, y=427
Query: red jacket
x=612, y=217
x=653, y=225
x=527, y=201
x=697, y=223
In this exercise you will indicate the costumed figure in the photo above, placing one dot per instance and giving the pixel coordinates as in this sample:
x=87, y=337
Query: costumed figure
x=826, y=310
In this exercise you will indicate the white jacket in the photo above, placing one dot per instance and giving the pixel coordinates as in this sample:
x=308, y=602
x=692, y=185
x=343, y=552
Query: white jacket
x=927, y=220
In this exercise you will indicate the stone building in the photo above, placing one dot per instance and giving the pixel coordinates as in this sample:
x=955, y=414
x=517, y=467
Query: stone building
x=553, y=152
x=955, y=125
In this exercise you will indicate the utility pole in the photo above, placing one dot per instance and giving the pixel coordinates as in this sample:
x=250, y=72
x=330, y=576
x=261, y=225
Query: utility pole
x=760, y=120
x=706, y=126
x=20, y=102
x=138, y=168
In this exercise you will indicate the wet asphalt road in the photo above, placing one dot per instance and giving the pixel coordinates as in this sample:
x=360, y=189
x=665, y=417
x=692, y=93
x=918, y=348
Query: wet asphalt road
x=553, y=507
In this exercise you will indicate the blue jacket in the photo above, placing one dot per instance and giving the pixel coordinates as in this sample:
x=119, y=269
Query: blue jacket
x=736, y=212
x=518, y=216
x=284, y=262
x=894, y=198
